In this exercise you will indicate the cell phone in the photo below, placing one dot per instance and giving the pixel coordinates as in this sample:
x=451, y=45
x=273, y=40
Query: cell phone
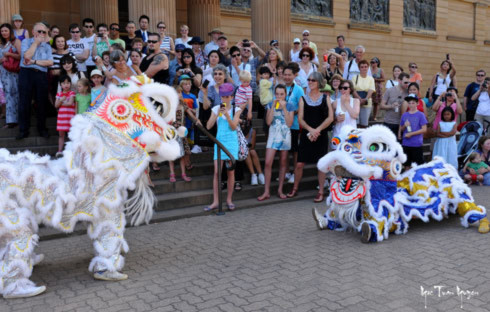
x=447, y=56
x=100, y=35
x=205, y=83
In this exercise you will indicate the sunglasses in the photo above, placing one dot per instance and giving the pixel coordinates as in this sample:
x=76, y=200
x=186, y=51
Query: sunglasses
x=449, y=94
x=247, y=50
x=306, y=35
x=373, y=62
x=406, y=82
x=480, y=75
x=116, y=29
x=152, y=41
x=305, y=55
x=88, y=26
x=344, y=88
x=413, y=67
x=311, y=80
x=73, y=31
x=236, y=55
x=187, y=56
x=161, y=27
x=296, y=43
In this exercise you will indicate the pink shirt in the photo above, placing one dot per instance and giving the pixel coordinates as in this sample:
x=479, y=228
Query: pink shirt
x=454, y=106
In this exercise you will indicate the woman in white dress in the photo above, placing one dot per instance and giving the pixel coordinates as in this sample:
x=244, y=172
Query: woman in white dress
x=346, y=108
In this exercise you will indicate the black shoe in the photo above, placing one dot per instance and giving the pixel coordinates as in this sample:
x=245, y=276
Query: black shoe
x=21, y=136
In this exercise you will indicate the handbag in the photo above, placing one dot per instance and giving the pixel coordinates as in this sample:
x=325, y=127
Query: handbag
x=10, y=64
x=242, y=141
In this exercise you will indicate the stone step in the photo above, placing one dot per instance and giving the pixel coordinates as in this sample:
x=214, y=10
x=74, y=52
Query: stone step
x=29, y=142
x=164, y=186
x=205, y=197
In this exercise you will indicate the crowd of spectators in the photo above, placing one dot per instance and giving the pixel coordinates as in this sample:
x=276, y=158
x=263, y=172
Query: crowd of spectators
x=301, y=99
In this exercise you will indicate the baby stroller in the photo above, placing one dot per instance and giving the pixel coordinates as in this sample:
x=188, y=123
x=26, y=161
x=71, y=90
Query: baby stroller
x=468, y=141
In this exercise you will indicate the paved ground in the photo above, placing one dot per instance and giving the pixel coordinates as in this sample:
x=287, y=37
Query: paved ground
x=270, y=259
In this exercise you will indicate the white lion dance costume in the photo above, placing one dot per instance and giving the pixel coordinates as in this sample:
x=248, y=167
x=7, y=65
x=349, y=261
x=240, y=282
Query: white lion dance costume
x=110, y=149
x=371, y=196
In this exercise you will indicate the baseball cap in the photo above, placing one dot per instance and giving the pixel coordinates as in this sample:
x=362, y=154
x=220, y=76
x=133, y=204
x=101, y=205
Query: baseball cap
x=184, y=77
x=306, y=31
x=412, y=97
x=222, y=37
x=273, y=42
x=96, y=72
x=296, y=40
x=215, y=31
x=179, y=47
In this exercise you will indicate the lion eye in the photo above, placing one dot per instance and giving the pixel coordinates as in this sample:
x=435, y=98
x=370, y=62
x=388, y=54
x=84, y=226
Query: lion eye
x=379, y=147
x=374, y=147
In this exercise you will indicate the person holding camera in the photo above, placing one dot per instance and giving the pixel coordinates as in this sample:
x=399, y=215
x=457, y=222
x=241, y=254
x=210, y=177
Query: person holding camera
x=470, y=105
x=443, y=79
x=190, y=68
x=364, y=87
x=447, y=99
x=483, y=109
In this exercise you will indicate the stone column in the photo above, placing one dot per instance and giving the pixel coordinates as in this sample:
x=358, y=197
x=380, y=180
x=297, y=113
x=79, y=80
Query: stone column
x=156, y=10
x=271, y=19
x=7, y=9
x=203, y=15
x=100, y=11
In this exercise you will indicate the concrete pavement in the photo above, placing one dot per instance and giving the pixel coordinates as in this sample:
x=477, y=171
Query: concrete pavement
x=271, y=258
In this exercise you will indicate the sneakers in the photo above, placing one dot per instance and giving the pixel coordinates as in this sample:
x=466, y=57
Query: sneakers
x=287, y=176
x=254, y=180
x=319, y=219
x=29, y=290
x=110, y=276
x=59, y=155
x=261, y=179
x=291, y=179
x=196, y=149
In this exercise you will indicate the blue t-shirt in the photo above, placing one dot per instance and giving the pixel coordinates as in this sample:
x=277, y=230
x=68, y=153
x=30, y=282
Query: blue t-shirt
x=471, y=89
x=417, y=120
x=293, y=97
x=43, y=52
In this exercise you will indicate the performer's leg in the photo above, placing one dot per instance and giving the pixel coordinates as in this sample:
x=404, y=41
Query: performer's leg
x=16, y=261
x=107, y=235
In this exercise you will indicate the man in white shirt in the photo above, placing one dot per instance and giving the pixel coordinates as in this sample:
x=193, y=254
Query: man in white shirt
x=351, y=69
x=89, y=28
x=236, y=65
x=78, y=47
x=213, y=45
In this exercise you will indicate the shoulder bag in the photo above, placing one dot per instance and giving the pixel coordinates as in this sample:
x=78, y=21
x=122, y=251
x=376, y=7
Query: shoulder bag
x=11, y=64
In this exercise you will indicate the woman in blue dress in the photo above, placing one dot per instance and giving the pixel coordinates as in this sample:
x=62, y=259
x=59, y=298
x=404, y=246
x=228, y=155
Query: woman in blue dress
x=227, y=121
x=9, y=79
x=280, y=120
x=445, y=145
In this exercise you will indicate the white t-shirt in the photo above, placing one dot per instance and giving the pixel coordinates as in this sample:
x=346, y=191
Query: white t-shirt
x=391, y=83
x=215, y=110
x=294, y=56
x=483, y=104
x=78, y=48
x=90, y=42
x=179, y=40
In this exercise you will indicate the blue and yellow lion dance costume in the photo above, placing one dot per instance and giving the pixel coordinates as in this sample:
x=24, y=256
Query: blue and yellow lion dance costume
x=370, y=195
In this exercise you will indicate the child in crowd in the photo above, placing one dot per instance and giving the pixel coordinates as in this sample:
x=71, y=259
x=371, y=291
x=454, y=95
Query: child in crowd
x=474, y=169
x=190, y=100
x=280, y=120
x=265, y=86
x=413, y=125
x=65, y=103
x=227, y=121
x=445, y=145
x=83, y=97
x=184, y=145
x=98, y=90
x=69, y=68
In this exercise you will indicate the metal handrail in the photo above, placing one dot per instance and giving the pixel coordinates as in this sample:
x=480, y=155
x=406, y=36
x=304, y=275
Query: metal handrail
x=220, y=147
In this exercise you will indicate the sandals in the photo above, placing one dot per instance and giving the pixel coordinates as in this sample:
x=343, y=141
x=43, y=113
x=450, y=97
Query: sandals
x=155, y=167
x=319, y=198
x=172, y=178
x=238, y=186
x=262, y=197
x=293, y=193
x=186, y=178
x=231, y=207
x=209, y=208
x=281, y=196
x=189, y=167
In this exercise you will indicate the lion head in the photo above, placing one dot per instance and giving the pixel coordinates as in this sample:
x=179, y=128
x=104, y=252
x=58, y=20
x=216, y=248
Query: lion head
x=143, y=111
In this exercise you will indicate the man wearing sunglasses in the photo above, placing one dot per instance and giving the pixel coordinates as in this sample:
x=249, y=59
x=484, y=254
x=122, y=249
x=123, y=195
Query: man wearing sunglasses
x=114, y=35
x=392, y=102
x=78, y=47
x=89, y=30
x=470, y=105
x=36, y=57
x=155, y=65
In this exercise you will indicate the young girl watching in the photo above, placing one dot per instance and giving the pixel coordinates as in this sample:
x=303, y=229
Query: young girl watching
x=83, y=97
x=65, y=103
x=445, y=145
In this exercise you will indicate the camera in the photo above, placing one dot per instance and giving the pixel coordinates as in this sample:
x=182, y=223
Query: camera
x=484, y=84
x=246, y=43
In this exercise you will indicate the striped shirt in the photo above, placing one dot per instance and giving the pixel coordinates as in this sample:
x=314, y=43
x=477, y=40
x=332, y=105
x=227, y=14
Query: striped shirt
x=57, y=58
x=165, y=45
x=243, y=94
x=65, y=113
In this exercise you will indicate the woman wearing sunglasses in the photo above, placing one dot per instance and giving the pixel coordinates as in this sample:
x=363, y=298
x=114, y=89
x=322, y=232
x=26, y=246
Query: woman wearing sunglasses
x=346, y=108
x=306, y=66
x=190, y=68
x=414, y=75
x=314, y=115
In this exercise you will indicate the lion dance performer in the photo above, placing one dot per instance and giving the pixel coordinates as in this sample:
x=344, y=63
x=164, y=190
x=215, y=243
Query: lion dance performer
x=110, y=149
x=371, y=195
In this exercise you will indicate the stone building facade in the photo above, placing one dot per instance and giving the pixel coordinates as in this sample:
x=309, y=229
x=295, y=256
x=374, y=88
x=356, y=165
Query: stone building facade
x=396, y=31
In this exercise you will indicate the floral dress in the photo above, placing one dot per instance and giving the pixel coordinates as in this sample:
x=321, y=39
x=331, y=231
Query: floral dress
x=179, y=121
x=279, y=132
x=10, y=83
